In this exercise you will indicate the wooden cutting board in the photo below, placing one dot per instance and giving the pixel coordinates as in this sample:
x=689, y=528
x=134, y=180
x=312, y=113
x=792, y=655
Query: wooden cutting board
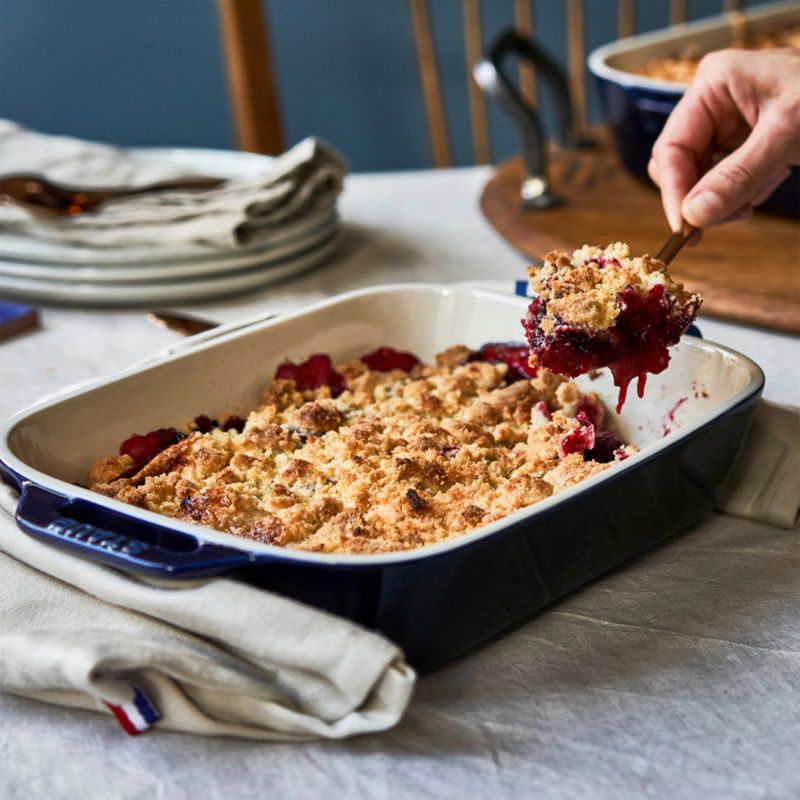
x=748, y=272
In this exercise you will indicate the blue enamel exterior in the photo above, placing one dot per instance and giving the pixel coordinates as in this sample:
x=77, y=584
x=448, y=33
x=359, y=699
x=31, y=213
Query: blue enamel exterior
x=637, y=115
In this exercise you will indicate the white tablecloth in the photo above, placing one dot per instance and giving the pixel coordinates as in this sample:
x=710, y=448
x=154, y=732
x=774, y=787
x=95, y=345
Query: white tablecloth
x=677, y=676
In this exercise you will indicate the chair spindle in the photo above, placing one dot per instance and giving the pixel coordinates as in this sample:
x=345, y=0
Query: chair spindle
x=626, y=21
x=251, y=78
x=523, y=21
x=576, y=62
x=477, y=104
x=431, y=85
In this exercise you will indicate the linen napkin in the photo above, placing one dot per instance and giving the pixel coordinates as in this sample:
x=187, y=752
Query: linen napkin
x=306, y=179
x=213, y=657
x=764, y=484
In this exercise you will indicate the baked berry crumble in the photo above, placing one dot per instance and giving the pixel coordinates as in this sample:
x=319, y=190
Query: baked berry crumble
x=378, y=454
x=602, y=308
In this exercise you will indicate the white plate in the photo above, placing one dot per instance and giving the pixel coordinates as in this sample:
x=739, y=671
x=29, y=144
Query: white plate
x=213, y=163
x=165, y=292
x=177, y=270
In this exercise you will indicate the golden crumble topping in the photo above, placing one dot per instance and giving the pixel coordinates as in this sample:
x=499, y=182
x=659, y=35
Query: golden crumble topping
x=584, y=289
x=398, y=460
x=601, y=308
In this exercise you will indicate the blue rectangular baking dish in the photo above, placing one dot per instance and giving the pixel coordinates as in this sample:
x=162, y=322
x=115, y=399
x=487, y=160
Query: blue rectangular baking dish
x=637, y=106
x=436, y=602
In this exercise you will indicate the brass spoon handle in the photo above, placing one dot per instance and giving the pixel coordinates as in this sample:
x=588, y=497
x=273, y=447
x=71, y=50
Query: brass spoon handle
x=189, y=325
x=181, y=323
x=675, y=243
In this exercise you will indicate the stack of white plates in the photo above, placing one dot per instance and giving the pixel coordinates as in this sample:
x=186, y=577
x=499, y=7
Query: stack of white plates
x=49, y=271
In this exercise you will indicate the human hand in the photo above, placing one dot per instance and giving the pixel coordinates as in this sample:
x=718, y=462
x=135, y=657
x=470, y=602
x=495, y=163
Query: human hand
x=743, y=103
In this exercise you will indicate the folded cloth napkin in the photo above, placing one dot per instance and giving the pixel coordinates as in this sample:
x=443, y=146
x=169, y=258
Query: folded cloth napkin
x=765, y=482
x=214, y=657
x=217, y=657
x=305, y=179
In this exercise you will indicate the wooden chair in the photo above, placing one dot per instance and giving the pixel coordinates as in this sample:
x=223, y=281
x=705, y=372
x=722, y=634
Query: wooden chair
x=254, y=98
x=473, y=46
x=251, y=81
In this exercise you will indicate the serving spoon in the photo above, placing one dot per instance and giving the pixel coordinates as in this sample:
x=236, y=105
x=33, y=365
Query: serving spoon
x=185, y=324
x=675, y=243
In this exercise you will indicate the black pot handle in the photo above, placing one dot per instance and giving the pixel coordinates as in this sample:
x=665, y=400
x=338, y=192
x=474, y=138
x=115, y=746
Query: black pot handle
x=494, y=78
x=127, y=544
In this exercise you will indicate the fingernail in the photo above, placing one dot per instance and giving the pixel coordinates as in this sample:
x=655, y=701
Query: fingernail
x=703, y=209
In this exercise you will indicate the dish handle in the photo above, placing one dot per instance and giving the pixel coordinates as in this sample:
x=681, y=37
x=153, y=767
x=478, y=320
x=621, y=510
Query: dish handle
x=494, y=75
x=127, y=543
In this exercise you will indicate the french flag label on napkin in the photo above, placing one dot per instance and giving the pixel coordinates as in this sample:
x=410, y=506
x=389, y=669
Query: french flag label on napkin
x=137, y=715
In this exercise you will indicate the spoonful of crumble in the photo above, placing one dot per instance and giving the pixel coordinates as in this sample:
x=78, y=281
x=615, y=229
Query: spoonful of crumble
x=600, y=307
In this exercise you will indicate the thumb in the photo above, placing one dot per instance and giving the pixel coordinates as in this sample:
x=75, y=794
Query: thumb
x=739, y=178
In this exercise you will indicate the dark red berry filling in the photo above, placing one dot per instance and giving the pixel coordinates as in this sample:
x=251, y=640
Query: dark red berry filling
x=578, y=440
x=543, y=409
x=312, y=373
x=233, y=422
x=637, y=344
x=144, y=448
x=204, y=424
x=385, y=359
x=600, y=446
x=568, y=351
x=606, y=448
x=589, y=413
x=515, y=354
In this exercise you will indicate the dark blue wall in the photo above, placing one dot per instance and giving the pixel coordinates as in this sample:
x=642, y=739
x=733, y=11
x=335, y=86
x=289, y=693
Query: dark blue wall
x=150, y=72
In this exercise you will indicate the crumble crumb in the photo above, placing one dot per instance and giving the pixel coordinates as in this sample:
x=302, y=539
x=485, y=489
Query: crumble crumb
x=583, y=289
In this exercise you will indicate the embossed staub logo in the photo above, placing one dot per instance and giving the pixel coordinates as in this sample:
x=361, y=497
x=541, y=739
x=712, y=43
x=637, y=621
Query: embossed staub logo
x=108, y=540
